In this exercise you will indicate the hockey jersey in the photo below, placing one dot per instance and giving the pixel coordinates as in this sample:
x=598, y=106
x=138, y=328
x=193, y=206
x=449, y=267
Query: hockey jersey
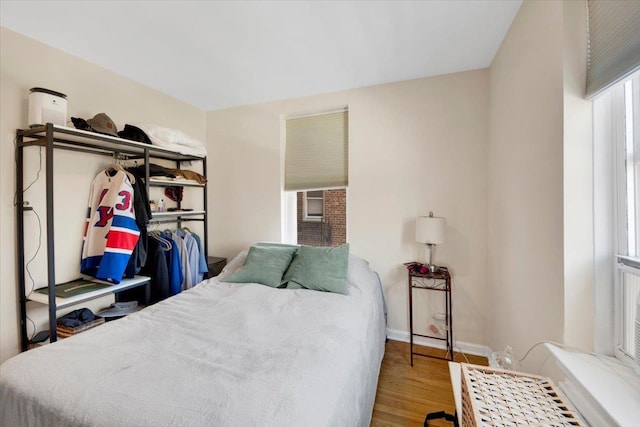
x=110, y=232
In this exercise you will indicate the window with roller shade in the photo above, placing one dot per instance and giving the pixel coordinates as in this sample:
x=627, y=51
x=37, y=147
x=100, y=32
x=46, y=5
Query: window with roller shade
x=617, y=125
x=614, y=43
x=317, y=154
x=316, y=176
x=613, y=83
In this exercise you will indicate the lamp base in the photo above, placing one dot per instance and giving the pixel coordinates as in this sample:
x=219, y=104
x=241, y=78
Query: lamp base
x=432, y=268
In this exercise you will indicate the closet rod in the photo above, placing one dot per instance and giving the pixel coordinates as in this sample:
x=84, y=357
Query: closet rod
x=173, y=221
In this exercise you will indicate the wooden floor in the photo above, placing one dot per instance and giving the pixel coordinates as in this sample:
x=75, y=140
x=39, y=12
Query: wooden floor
x=407, y=394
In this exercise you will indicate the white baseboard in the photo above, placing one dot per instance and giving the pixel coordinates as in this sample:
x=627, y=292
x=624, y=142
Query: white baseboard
x=465, y=347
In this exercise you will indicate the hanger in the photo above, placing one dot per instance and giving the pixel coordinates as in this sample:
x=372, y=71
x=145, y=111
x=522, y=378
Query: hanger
x=116, y=166
x=164, y=243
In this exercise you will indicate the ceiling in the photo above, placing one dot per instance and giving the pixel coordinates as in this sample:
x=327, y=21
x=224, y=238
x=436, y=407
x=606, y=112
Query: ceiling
x=219, y=54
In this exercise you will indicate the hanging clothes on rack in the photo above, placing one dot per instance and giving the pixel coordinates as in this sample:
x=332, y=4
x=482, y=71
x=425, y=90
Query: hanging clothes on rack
x=174, y=264
x=193, y=254
x=143, y=215
x=157, y=268
x=110, y=233
x=203, y=267
x=184, y=259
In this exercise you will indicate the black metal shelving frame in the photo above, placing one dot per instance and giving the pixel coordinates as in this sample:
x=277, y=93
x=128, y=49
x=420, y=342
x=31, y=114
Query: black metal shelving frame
x=52, y=137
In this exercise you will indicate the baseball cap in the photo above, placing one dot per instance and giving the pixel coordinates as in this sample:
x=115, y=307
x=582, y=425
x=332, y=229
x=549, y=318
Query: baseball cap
x=174, y=193
x=102, y=123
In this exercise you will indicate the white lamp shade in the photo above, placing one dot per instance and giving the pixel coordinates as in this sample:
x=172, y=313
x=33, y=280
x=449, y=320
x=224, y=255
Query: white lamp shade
x=430, y=229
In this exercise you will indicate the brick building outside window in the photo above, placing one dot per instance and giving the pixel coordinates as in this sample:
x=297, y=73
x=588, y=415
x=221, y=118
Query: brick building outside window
x=326, y=226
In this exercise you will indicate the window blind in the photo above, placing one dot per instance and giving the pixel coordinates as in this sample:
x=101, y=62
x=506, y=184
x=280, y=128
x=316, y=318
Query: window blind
x=614, y=43
x=317, y=152
x=315, y=207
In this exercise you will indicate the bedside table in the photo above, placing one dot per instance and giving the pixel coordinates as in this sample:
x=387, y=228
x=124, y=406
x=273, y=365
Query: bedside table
x=440, y=281
x=215, y=265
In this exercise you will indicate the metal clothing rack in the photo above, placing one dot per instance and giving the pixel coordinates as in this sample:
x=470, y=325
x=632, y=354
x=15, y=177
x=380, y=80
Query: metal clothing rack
x=51, y=137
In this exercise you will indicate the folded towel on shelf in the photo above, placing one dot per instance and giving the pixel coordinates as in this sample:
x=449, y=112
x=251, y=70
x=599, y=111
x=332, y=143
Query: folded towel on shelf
x=173, y=139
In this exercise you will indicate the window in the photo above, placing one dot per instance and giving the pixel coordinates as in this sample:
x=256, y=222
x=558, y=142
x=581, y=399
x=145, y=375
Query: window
x=625, y=108
x=317, y=151
x=313, y=205
x=613, y=82
x=321, y=217
x=316, y=179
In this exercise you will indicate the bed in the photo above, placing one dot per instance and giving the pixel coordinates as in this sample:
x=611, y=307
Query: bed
x=220, y=354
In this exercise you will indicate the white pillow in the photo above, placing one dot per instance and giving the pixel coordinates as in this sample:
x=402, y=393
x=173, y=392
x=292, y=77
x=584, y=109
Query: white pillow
x=173, y=139
x=233, y=265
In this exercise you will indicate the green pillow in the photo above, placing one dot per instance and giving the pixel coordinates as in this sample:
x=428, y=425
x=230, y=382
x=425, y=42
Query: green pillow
x=287, y=273
x=286, y=279
x=264, y=265
x=320, y=268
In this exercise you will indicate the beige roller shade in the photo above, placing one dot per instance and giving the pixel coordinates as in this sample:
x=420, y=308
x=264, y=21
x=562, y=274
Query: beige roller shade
x=614, y=42
x=317, y=152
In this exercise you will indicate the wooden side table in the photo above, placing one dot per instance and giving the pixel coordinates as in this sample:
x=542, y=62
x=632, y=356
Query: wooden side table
x=215, y=265
x=439, y=281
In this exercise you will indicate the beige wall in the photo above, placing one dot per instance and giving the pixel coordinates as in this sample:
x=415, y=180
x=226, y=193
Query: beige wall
x=525, y=238
x=540, y=161
x=25, y=63
x=414, y=146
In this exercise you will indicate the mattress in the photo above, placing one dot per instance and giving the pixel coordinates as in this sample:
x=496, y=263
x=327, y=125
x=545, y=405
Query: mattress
x=218, y=354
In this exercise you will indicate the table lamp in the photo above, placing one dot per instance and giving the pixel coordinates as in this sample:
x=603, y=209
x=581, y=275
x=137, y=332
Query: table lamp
x=430, y=231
